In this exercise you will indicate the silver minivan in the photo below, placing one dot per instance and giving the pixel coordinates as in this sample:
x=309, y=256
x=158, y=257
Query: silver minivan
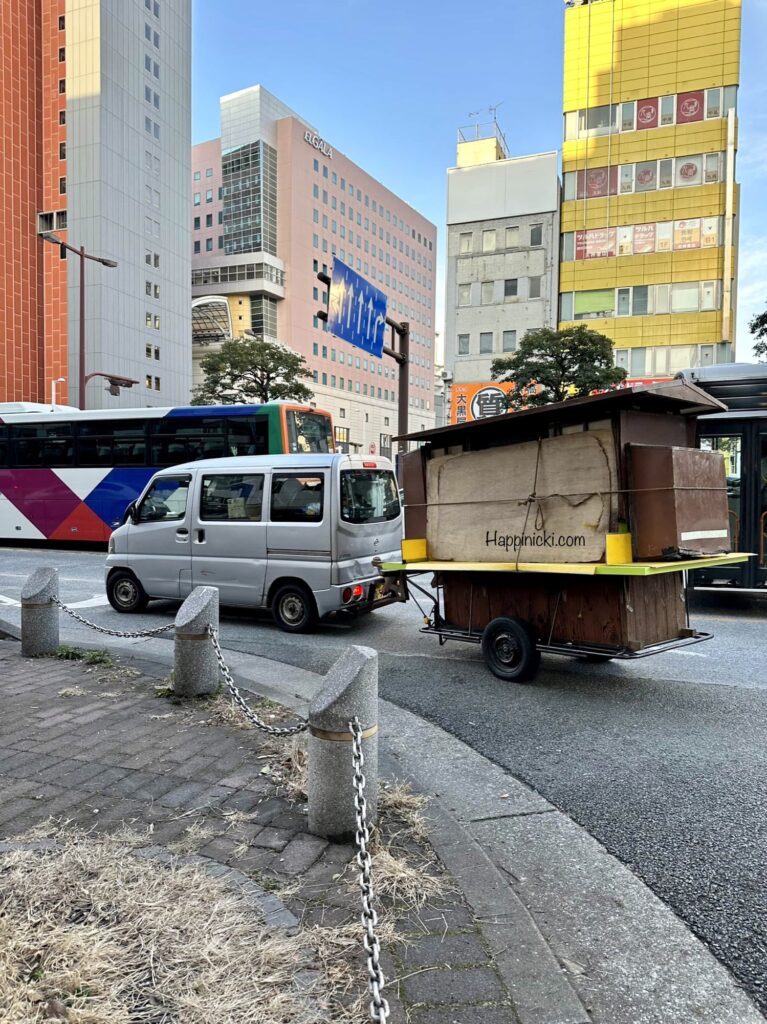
x=293, y=533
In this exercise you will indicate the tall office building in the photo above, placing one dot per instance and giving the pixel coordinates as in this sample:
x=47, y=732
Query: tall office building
x=649, y=212
x=502, y=263
x=272, y=204
x=96, y=138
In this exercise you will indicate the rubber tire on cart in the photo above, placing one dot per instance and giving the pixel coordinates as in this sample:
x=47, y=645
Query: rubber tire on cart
x=293, y=608
x=509, y=650
x=125, y=593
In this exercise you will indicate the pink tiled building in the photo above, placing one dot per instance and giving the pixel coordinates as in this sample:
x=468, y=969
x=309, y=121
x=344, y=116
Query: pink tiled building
x=273, y=203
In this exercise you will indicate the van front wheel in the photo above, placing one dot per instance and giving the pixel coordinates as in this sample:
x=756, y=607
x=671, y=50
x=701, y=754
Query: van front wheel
x=125, y=593
x=293, y=608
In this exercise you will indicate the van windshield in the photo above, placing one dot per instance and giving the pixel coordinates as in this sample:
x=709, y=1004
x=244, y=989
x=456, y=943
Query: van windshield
x=369, y=496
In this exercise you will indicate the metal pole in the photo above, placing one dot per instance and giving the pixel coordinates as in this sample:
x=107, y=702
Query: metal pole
x=81, y=376
x=404, y=383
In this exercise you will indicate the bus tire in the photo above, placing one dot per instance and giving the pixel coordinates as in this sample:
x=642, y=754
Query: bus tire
x=293, y=608
x=125, y=593
x=509, y=650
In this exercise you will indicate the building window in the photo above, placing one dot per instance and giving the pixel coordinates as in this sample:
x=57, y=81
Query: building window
x=463, y=344
x=209, y=220
x=62, y=117
x=487, y=292
x=209, y=196
x=62, y=186
x=534, y=288
x=667, y=110
x=62, y=23
x=62, y=55
x=148, y=351
x=148, y=381
x=196, y=247
x=536, y=234
x=464, y=242
x=62, y=151
x=512, y=237
x=156, y=322
x=509, y=341
x=197, y=199
x=147, y=319
x=208, y=245
x=485, y=342
x=510, y=288
x=62, y=86
x=488, y=240
x=196, y=223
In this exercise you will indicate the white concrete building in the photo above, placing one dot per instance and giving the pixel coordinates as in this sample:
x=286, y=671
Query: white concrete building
x=128, y=117
x=502, y=253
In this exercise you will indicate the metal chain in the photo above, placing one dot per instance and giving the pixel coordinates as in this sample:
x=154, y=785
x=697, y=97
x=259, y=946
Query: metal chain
x=379, y=1007
x=273, y=730
x=113, y=632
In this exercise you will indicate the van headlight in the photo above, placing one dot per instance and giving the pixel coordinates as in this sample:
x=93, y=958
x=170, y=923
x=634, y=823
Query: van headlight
x=111, y=545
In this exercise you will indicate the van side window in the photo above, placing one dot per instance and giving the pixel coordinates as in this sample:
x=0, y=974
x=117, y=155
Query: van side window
x=297, y=498
x=166, y=499
x=232, y=497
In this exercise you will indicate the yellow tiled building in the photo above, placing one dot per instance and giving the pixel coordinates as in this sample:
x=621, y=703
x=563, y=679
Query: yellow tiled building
x=649, y=212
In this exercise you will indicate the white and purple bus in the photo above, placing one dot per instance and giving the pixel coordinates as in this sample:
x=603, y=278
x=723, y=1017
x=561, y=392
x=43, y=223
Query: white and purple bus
x=67, y=475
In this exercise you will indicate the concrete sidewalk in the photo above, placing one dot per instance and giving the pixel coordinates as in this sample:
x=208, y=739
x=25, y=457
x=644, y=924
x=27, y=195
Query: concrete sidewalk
x=549, y=928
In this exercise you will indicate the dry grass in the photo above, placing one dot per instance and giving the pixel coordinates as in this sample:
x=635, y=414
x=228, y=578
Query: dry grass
x=398, y=800
x=408, y=881
x=94, y=934
x=72, y=691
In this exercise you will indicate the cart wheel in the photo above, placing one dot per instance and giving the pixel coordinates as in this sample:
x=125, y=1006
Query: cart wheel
x=509, y=650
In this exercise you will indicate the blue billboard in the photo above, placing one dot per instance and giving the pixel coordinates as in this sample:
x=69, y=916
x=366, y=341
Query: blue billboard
x=356, y=310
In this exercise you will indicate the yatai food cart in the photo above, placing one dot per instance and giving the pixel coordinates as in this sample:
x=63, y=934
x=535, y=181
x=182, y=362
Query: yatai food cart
x=566, y=528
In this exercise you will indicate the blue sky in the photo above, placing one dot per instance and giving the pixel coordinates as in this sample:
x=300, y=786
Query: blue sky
x=391, y=91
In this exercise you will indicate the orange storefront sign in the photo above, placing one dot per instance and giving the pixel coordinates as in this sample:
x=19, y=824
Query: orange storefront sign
x=476, y=401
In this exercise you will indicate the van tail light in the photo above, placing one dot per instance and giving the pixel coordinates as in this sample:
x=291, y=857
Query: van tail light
x=368, y=465
x=357, y=592
x=354, y=593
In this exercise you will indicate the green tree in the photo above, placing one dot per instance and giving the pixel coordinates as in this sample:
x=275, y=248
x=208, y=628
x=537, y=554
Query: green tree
x=564, y=364
x=758, y=327
x=252, y=371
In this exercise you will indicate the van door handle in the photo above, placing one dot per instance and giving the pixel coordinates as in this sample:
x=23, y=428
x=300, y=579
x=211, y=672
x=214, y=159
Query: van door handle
x=182, y=533
x=201, y=536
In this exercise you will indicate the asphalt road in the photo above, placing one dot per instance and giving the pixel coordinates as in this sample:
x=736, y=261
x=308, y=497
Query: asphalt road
x=663, y=759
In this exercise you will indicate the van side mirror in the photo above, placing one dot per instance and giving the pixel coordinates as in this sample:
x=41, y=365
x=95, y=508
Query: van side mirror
x=130, y=513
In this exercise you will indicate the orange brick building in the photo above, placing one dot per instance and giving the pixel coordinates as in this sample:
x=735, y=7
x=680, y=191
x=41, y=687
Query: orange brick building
x=33, y=282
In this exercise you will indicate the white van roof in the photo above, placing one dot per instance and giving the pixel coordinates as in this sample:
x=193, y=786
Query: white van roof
x=243, y=463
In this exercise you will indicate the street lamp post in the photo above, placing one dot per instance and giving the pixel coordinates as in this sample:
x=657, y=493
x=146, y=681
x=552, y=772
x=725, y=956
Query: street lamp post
x=65, y=246
x=58, y=380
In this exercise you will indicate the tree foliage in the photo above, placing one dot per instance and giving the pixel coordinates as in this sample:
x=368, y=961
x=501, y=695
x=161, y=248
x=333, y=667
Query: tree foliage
x=563, y=364
x=758, y=327
x=252, y=371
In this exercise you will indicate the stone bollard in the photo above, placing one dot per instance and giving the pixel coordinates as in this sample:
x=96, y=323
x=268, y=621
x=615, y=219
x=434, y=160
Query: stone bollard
x=195, y=667
x=351, y=689
x=39, y=615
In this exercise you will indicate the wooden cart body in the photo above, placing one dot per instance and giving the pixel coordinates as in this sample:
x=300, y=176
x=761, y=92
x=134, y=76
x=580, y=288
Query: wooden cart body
x=588, y=610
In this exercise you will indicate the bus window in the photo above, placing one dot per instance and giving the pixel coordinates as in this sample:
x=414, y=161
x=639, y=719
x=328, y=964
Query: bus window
x=111, y=443
x=308, y=432
x=3, y=446
x=177, y=439
x=730, y=447
x=50, y=444
x=248, y=435
x=762, y=484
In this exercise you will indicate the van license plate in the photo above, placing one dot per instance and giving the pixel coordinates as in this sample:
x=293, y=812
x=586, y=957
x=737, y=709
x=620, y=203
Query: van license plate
x=379, y=591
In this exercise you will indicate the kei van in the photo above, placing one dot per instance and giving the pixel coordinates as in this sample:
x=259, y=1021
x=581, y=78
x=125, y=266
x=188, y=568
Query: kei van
x=299, y=535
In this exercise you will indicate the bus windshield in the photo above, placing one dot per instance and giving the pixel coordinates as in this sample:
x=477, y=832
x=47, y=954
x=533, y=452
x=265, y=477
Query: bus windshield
x=369, y=496
x=309, y=432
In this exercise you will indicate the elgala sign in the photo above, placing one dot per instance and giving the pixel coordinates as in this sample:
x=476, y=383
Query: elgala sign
x=314, y=140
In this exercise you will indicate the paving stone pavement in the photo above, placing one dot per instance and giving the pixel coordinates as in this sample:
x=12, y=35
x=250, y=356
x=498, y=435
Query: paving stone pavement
x=95, y=746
